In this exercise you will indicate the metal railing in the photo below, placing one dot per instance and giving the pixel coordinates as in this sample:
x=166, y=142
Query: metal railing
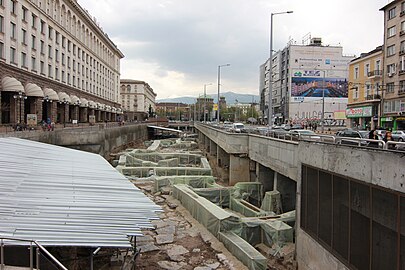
x=10, y=241
x=362, y=142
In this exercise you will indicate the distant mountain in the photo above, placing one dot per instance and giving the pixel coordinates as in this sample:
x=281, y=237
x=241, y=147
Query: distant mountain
x=230, y=97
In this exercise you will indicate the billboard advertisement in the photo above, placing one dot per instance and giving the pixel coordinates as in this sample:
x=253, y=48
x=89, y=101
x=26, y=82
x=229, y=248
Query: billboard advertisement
x=311, y=84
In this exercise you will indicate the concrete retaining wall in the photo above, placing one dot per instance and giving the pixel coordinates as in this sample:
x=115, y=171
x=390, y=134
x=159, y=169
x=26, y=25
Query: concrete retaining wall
x=91, y=139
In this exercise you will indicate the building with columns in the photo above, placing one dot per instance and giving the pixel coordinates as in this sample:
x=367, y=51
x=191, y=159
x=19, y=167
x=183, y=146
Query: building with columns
x=56, y=63
x=137, y=99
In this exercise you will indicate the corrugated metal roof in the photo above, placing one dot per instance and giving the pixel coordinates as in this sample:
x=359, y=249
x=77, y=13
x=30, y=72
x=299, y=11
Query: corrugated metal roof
x=64, y=197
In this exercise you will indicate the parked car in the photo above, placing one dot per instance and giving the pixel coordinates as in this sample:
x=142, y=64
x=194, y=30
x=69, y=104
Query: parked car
x=304, y=134
x=351, y=133
x=398, y=135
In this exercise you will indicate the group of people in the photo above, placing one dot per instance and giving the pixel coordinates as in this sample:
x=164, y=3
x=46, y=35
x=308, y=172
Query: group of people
x=386, y=137
x=48, y=125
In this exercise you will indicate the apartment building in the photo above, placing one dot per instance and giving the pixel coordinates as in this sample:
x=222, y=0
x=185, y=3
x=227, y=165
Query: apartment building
x=393, y=114
x=365, y=90
x=138, y=100
x=56, y=63
x=306, y=78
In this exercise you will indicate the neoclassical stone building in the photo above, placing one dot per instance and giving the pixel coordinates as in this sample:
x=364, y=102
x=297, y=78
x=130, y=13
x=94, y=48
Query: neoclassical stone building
x=56, y=63
x=137, y=98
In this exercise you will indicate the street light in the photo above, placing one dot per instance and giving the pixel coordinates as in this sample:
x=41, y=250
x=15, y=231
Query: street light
x=219, y=86
x=270, y=105
x=205, y=98
x=323, y=100
x=21, y=96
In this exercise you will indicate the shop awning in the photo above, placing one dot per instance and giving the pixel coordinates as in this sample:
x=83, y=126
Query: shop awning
x=50, y=94
x=33, y=90
x=92, y=104
x=63, y=97
x=10, y=84
x=74, y=100
x=84, y=102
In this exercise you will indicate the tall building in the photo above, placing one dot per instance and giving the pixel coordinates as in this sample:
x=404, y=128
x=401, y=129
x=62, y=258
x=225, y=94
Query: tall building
x=393, y=114
x=138, y=100
x=56, y=63
x=365, y=89
x=306, y=78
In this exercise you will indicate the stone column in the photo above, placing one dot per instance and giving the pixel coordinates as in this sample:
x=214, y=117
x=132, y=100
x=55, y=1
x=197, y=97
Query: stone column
x=37, y=108
x=54, y=111
x=66, y=113
x=238, y=170
x=76, y=113
x=213, y=148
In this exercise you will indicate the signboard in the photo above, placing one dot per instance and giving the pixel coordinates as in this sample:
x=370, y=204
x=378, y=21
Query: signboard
x=32, y=119
x=215, y=107
x=359, y=112
x=92, y=119
x=311, y=84
x=339, y=115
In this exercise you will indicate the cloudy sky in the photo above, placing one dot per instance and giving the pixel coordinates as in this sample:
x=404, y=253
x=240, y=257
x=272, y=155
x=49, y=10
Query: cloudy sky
x=177, y=45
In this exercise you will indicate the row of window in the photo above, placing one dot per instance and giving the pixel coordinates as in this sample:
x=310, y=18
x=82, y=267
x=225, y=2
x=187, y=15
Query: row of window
x=58, y=74
x=367, y=69
x=85, y=36
x=369, y=90
x=94, y=62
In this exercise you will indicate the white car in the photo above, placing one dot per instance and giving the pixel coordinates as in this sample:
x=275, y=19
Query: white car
x=238, y=127
x=304, y=134
x=398, y=135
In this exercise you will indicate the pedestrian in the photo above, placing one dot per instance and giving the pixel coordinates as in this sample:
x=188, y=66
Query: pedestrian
x=388, y=138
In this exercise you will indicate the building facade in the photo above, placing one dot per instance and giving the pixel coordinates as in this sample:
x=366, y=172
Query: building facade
x=307, y=78
x=393, y=115
x=138, y=100
x=174, y=111
x=365, y=90
x=56, y=64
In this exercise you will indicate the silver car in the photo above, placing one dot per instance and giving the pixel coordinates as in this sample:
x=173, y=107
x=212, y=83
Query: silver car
x=398, y=135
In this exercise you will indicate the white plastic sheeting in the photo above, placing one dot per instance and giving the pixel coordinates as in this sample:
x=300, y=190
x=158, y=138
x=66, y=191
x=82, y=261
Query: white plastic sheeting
x=64, y=197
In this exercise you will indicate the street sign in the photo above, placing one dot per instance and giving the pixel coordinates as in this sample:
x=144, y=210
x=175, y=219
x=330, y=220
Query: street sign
x=215, y=107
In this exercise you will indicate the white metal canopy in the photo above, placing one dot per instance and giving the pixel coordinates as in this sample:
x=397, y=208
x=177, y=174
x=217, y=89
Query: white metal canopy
x=11, y=84
x=64, y=197
x=33, y=90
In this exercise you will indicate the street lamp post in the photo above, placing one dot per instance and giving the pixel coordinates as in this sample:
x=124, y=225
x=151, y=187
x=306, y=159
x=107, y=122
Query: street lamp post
x=270, y=101
x=219, y=87
x=205, y=99
x=20, y=96
x=323, y=103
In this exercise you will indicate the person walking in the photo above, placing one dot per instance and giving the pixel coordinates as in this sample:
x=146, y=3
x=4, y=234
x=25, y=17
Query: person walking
x=388, y=138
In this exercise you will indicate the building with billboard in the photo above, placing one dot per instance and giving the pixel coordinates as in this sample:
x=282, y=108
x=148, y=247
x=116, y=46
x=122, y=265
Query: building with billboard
x=307, y=80
x=56, y=63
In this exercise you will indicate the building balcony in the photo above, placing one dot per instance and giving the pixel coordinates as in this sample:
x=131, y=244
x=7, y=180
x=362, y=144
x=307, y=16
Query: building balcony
x=401, y=92
x=373, y=97
x=375, y=73
x=401, y=33
x=401, y=72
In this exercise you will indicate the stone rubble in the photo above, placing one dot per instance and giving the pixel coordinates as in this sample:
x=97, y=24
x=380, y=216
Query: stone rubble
x=180, y=242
